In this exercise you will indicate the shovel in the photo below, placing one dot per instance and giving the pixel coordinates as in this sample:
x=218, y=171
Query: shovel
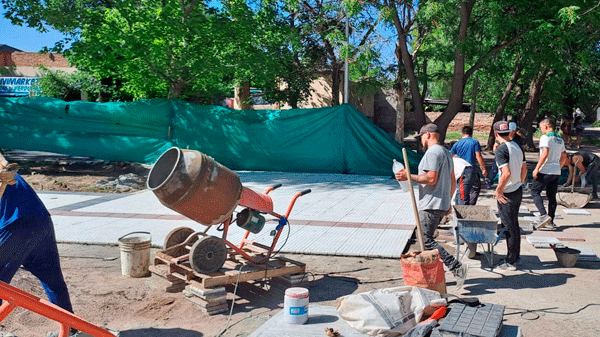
x=423, y=328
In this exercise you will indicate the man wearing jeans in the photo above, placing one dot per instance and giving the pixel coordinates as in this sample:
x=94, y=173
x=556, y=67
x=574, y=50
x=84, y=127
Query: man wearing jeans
x=509, y=192
x=469, y=149
x=436, y=186
x=547, y=172
x=27, y=238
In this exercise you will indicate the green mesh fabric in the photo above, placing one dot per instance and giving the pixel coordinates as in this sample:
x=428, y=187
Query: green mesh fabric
x=334, y=140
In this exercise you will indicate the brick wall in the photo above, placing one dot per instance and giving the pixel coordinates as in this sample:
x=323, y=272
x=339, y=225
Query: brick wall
x=28, y=59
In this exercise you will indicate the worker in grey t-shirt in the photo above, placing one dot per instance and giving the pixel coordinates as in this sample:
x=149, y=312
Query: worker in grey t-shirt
x=436, y=185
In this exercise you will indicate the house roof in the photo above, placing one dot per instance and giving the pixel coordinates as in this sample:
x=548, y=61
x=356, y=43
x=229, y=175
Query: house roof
x=6, y=48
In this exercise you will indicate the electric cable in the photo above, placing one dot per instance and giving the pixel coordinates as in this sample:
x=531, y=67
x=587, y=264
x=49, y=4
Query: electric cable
x=232, y=301
x=535, y=312
x=286, y=238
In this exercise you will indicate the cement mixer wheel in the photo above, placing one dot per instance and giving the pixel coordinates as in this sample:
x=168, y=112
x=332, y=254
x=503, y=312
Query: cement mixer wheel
x=177, y=236
x=208, y=254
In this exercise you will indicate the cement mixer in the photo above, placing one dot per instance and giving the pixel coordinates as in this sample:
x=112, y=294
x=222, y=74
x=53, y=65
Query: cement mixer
x=195, y=185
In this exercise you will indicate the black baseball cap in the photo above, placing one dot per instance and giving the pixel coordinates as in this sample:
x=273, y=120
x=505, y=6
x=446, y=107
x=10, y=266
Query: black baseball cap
x=428, y=128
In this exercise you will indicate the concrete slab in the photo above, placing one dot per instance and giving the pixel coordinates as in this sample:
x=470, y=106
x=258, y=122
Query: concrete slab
x=321, y=317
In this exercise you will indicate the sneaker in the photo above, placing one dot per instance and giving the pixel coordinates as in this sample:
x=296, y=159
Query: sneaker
x=504, y=265
x=551, y=225
x=461, y=275
x=542, y=221
x=73, y=333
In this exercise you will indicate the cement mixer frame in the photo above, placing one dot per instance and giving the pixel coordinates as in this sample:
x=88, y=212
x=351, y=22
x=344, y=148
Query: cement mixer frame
x=207, y=254
x=198, y=187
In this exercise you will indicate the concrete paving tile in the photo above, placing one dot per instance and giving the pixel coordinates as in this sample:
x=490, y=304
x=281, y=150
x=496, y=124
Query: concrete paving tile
x=55, y=200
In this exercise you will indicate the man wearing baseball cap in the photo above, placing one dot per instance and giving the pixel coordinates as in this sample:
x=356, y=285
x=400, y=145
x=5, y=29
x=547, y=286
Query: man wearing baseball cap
x=436, y=186
x=509, y=192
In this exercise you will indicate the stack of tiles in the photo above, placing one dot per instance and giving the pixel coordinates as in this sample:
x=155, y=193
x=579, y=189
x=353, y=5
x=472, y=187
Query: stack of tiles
x=289, y=281
x=482, y=321
x=162, y=280
x=213, y=300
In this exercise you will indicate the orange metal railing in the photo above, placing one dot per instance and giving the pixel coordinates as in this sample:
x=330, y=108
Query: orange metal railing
x=14, y=298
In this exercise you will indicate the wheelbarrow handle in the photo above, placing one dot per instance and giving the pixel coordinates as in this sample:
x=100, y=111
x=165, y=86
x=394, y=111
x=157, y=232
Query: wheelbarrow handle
x=272, y=188
x=305, y=192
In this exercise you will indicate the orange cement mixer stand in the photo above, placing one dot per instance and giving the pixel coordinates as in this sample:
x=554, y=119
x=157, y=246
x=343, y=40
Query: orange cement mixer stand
x=14, y=297
x=262, y=203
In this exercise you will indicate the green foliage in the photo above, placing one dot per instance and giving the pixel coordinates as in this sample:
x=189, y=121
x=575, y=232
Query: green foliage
x=67, y=86
x=4, y=71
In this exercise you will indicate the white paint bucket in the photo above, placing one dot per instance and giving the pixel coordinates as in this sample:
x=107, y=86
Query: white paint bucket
x=135, y=254
x=295, y=306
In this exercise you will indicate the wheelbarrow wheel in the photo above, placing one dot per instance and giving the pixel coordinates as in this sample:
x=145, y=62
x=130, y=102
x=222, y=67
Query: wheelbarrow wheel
x=177, y=236
x=208, y=254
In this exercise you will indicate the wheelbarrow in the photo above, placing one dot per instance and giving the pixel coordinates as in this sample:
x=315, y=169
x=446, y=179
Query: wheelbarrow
x=476, y=225
x=195, y=185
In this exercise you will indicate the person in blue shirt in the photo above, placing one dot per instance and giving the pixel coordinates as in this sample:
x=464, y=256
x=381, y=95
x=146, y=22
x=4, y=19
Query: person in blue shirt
x=27, y=239
x=469, y=149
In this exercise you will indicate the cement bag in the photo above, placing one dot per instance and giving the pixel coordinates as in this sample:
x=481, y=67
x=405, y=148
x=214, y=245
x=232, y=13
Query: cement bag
x=425, y=270
x=387, y=312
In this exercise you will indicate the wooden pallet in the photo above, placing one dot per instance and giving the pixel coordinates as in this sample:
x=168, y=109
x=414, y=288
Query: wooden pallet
x=235, y=268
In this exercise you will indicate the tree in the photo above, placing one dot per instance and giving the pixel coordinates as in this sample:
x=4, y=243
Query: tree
x=68, y=86
x=168, y=48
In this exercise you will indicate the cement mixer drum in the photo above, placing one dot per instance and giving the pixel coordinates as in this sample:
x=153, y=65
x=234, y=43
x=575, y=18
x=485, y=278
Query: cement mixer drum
x=195, y=185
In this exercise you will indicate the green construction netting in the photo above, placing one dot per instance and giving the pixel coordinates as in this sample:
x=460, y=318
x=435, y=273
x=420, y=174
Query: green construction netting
x=333, y=140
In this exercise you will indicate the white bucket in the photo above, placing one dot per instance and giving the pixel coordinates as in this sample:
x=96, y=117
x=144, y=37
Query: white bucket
x=295, y=306
x=135, y=254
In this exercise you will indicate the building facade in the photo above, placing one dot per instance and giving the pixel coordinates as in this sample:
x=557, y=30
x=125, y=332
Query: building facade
x=19, y=69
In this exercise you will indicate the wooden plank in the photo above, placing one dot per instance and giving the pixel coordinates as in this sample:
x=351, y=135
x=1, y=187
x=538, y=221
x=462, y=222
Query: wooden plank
x=230, y=273
x=256, y=275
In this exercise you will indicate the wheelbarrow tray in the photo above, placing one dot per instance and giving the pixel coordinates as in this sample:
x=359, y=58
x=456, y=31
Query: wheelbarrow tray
x=579, y=197
x=475, y=224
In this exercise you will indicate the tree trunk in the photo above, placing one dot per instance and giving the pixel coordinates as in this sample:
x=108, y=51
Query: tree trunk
x=400, y=108
x=532, y=106
x=473, y=102
x=459, y=79
x=335, y=83
x=404, y=58
x=425, y=81
x=241, y=100
x=504, y=100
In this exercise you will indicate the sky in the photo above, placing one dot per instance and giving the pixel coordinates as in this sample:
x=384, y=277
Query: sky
x=25, y=38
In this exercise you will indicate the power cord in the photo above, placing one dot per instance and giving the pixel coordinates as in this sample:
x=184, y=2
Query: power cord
x=286, y=238
x=535, y=312
x=232, y=301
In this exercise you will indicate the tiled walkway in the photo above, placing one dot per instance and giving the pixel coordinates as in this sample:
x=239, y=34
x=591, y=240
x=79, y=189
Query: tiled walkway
x=349, y=215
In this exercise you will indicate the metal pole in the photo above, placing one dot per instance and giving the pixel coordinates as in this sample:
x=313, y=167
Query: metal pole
x=346, y=94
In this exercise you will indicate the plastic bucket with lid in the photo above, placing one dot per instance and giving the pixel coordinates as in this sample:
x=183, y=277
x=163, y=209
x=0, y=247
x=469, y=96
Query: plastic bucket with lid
x=135, y=254
x=295, y=306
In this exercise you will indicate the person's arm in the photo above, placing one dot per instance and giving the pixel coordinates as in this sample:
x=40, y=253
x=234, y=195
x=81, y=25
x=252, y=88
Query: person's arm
x=428, y=178
x=3, y=162
x=578, y=165
x=543, y=158
x=504, y=178
x=481, y=163
x=523, y=172
x=453, y=182
x=571, y=173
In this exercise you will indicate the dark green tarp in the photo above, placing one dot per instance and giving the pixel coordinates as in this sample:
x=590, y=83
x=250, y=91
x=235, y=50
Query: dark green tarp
x=334, y=140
